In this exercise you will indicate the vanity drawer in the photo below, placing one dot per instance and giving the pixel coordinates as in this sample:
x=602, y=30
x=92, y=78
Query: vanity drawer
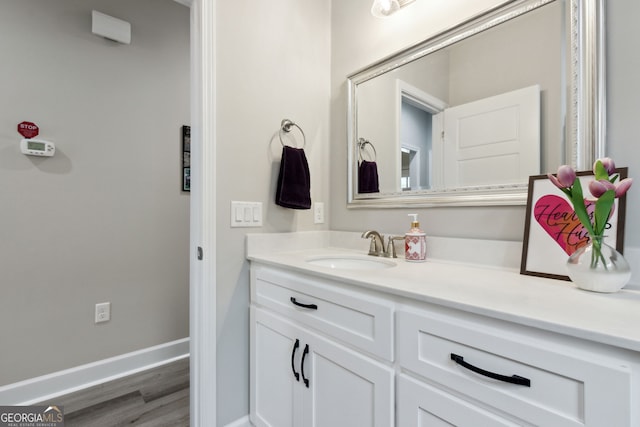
x=422, y=405
x=568, y=386
x=359, y=320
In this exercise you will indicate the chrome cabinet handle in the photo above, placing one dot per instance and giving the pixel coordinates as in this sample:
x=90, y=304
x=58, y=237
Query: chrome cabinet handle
x=513, y=379
x=299, y=304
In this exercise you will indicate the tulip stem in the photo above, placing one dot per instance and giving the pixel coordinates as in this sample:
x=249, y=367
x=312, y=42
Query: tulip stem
x=596, y=253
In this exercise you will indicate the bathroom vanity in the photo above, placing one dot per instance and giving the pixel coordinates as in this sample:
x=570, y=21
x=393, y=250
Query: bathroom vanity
x=354, y=343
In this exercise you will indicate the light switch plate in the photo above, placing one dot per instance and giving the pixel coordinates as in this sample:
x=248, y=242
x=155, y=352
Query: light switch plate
x=246, y=214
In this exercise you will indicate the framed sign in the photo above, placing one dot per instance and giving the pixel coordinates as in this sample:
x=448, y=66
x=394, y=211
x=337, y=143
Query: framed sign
x=553, y=232
x=186, y=158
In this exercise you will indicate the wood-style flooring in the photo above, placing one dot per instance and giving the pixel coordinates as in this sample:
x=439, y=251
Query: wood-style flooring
x=154, y=398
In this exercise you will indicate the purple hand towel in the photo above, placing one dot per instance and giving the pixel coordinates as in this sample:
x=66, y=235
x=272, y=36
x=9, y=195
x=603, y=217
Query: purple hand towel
x=294, y=183
x=368, y=177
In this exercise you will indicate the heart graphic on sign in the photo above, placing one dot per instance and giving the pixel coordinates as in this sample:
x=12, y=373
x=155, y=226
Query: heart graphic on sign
x=557, y=217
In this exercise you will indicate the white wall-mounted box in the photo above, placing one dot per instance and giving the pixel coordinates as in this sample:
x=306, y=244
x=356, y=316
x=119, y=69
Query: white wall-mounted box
x=111, y=28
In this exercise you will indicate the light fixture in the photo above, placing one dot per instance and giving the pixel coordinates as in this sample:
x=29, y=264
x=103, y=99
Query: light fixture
x=384, y=8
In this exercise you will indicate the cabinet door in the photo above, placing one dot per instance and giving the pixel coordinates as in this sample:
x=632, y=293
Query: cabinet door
x=423, y=405
x=346, y=389
x=335, y=386
x=275, y=399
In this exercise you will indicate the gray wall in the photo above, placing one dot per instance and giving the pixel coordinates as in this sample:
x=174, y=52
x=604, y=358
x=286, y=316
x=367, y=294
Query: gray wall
x=273, y=61
x=358, y=40
x=103, y=220
x=623, y=103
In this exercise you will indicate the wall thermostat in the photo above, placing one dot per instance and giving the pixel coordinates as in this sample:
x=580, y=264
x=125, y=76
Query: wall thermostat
x=37, y=147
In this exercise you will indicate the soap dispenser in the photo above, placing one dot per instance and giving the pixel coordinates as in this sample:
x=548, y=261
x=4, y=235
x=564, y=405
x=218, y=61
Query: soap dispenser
x=415, y=242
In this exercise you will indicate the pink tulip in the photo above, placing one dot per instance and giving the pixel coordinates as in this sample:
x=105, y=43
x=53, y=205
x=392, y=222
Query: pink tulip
x=608, y=164
x=598, y=188
x=623, y=186
x=565, y=177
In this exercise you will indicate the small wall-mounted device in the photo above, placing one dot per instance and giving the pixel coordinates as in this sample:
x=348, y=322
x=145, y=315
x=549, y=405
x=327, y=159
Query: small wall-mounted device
x=110, y=28
x=37, y=147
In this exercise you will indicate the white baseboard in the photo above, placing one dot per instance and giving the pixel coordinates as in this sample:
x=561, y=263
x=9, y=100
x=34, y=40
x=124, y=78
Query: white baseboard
x=50, y=386
x=241, y=422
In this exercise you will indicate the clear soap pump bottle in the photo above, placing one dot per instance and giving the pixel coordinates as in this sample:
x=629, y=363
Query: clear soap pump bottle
x=415, y=242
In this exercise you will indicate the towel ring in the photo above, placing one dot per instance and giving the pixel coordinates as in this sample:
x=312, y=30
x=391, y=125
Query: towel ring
x=361, y=147
x=285, y=126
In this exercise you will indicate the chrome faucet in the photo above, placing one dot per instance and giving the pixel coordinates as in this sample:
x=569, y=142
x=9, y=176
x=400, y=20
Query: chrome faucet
x=376, y=248
x=391, y=248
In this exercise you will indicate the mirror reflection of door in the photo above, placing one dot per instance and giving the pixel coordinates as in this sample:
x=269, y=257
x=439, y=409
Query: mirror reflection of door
x=493, y=140
x=484, y=142
x=416, y=136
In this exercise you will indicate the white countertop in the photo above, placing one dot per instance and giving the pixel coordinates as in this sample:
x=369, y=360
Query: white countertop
x=498, y=292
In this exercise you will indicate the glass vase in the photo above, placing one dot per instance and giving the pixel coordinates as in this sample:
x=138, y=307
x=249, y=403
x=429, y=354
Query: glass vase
x=598, y=267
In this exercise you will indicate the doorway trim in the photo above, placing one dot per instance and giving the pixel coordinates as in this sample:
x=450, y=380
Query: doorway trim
x=202, y=251
x=406, y=92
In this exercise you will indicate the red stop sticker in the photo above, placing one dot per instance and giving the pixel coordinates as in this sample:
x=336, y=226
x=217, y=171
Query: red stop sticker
x=28, y=129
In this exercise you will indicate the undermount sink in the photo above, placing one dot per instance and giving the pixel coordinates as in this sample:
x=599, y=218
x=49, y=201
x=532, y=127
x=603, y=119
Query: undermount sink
x=337, y=262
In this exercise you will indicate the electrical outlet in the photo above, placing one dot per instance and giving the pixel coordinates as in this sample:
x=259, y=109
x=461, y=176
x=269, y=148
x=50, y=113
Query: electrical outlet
x=318, y=213
x=103, y=312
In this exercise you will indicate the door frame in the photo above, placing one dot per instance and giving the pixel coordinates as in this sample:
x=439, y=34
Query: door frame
x=426, y=102
x=202, y=250
x=414, y=172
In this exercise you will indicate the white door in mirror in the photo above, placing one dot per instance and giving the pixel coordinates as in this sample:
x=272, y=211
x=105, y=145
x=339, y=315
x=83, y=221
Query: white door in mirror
x=492, y=141
x=37, y=147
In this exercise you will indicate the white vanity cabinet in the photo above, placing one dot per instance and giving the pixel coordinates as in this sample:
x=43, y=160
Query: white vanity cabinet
x=380, y=357
x=309, y=361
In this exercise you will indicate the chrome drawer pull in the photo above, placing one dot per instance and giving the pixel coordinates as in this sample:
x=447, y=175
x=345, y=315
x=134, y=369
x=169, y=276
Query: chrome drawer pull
x=514, y=379
x=299, y=304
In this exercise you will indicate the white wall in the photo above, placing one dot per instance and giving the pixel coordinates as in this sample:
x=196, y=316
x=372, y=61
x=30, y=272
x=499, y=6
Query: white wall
x=272, y=63
x=103, y=220
x=623, y=103
x=359, y=40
